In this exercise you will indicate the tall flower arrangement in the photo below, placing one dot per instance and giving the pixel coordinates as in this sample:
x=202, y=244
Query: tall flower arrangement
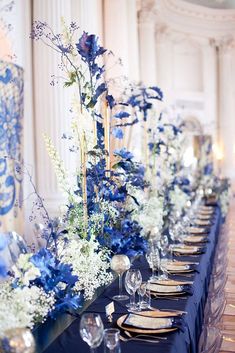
x=166, y=149
x=97, y=203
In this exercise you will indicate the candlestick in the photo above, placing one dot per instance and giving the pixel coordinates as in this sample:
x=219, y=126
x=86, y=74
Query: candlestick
x=83, y=145
x=107, y=136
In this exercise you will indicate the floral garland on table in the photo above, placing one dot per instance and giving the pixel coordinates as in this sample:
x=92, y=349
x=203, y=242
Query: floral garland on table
x=23, y=307
x=91, y=266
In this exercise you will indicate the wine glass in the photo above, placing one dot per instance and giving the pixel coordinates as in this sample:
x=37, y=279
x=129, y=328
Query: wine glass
x=142, y=294
x=91, y=330
x=133, y=281
x=112, y=340
x=164, y=248
x=153, y=260
x=120, y=264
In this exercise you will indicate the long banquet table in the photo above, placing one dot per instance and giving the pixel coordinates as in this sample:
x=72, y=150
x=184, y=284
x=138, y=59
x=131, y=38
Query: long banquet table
x=69, y=341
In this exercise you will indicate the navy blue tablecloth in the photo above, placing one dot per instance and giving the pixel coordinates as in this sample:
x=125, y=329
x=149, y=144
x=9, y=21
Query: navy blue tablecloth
x=178, y=341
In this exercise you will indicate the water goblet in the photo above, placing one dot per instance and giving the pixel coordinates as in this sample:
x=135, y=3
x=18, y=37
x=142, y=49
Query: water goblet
x=133, y=281
x=153, y=260
x=91, y=330
x=143, y=304
x=111, y=340
x=164, y=248
x=120, y=264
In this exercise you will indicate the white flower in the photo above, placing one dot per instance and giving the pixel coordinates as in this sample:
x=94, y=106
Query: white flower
x=24, y=270
x=178, y=199
x=150, y=213
x=90, y=264
x=23, y=307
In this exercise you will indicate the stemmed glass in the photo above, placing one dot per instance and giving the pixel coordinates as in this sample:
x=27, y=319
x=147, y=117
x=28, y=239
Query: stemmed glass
x=152, y=256
x=120, y=264
x=133, y=281
x=91, y=330
x=112, y=340
x=163, y=246
x=142, y=290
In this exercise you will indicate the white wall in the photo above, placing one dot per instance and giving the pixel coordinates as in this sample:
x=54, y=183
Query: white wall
x=194, y=66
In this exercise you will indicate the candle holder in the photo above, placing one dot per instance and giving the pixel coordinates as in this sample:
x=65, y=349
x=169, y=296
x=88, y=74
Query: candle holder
x=120, y=264
x=18, y=340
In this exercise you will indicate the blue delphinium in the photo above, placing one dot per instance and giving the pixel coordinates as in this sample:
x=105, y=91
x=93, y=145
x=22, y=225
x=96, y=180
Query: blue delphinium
x=57, y=277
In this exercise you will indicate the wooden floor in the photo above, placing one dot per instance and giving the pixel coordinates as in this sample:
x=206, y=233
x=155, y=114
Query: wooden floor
x=228, y=318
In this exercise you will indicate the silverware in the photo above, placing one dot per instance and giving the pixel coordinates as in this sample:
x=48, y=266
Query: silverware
x=168, y=298
x=143, y=335
x=124, y=339
x=170, y=310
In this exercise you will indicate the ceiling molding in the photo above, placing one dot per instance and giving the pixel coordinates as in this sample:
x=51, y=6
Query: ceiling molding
x=197, y=11
x=189, y=19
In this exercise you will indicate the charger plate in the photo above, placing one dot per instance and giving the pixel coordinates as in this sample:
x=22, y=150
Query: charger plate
x=170, y=282
x=187, y=250
x=195, y=239
x=204, y=216
x=141, y=330
x=202, y=222
x=196, y=230
x=165, y=289
x=179, y=267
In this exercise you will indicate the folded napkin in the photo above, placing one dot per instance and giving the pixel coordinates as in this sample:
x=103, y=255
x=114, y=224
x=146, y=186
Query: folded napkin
x=152, y=323
x=167, y=290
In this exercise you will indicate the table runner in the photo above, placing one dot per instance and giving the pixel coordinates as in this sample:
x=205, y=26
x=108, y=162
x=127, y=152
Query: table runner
x=184, y=342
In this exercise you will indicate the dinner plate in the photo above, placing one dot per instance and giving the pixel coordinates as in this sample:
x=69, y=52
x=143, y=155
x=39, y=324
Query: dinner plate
x=141, y=330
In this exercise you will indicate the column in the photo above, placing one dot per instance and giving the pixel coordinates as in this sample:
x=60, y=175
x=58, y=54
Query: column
x=227, y=106
x=52, y=104
x=88, y=15
x=210, y=80
x=147, y=47
x=120, y=36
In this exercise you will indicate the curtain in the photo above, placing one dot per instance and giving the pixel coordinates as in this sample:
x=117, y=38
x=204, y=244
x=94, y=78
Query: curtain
x=11, y=147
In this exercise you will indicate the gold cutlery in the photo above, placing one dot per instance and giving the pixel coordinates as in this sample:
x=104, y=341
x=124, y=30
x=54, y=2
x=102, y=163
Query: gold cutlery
x=143, y=335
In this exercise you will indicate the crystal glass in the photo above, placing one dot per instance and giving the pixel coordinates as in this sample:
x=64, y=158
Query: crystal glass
x=91, y=330
x=133, y=281
x=164, y=248
x=152, y=256
x=112, y=341
x=120, y=264
x=143, y=303
x=18, y=340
